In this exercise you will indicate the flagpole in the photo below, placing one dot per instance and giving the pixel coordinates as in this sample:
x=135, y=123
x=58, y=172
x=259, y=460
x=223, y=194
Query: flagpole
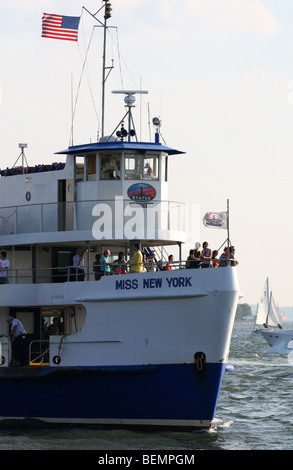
x=228, y=221
x=72, y=110
x=228, y=229
x=106, y=16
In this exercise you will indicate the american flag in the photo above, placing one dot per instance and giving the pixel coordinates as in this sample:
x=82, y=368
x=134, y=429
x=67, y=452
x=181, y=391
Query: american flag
x=60, y=27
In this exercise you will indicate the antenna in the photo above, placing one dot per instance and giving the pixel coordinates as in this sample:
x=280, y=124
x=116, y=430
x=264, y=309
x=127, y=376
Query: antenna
x=22, y=155
x=129, y=100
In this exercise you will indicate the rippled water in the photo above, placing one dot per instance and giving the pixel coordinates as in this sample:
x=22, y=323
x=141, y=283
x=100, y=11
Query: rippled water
x=254, y=412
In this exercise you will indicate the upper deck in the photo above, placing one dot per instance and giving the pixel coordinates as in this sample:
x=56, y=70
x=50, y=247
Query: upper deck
x=109, y=190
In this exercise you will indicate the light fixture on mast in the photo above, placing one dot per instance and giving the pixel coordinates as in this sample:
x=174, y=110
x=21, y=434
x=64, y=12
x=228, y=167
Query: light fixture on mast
x=108, y=9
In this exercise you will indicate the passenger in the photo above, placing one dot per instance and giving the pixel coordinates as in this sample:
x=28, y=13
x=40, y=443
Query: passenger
x=105, y=265
x=149, y=171
x=169, y=266
x=144, y=261
x=197, y=256
x=44, y=329
x=160, y=265
x=53, y=329
x=190, y=259
x=223, y=257
x=197, y=247
x=233, y=261
x=215, y=261
x=150, y=262
x=119, y=265
x=206, y=255
x=136, y=260
x=78, y=264
x=61, y=326
x=4, y=265
x=17, y=334
x=97, y=267
x=117, y=172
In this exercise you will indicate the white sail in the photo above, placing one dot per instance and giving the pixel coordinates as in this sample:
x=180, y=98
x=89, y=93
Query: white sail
x=263, y=306
x=267, y=313
x=273, y=318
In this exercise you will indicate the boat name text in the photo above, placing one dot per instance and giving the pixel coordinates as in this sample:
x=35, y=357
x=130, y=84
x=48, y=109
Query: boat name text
x=153, y=283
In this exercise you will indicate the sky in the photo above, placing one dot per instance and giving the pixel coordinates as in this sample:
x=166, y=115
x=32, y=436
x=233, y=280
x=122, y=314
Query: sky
x=219, y=74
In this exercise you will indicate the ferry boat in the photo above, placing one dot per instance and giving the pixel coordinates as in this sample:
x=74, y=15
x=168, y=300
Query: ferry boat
x=140, y=350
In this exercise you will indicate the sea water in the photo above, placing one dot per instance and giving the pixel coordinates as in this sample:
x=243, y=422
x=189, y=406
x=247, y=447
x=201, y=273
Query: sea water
x=254, y=412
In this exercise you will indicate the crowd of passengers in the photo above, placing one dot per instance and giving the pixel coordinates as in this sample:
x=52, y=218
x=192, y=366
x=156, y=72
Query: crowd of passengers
x=141, y=261
x=207, y=258
x=144, y=261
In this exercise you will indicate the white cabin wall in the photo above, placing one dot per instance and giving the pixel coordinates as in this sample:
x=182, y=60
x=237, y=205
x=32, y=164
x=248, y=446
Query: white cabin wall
x=42, y=187
x=74, y=319
x=44, y=263
x=21, y=260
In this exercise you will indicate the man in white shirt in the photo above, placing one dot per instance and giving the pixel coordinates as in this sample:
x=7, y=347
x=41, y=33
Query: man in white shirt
x=17, y=333
x=78, y=262
x=4, y=265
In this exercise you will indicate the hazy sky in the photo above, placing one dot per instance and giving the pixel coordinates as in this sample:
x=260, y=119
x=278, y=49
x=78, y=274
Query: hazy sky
x=219, y=75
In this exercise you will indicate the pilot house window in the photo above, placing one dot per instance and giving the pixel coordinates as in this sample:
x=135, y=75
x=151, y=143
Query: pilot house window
x=85, y=167
x=141, y=167
x=110, y=168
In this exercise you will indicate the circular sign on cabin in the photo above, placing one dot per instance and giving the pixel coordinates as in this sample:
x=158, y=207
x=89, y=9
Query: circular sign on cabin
x=141, y=192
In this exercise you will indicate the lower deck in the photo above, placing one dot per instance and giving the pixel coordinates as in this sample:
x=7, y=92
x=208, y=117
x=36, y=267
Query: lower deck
x=40, y=324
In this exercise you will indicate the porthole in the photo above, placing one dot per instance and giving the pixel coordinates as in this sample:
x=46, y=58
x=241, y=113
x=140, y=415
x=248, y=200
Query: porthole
x=28, y=196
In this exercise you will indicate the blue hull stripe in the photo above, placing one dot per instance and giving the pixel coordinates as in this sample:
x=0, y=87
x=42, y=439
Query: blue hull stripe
x=160, y=392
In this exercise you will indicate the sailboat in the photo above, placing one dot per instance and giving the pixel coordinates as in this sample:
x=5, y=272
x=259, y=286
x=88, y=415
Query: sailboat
x=268, y=323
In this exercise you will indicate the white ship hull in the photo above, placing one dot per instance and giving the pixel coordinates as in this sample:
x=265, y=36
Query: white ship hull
x=278, y=340
x=132, y=340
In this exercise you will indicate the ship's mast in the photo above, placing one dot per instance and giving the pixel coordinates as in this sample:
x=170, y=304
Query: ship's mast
x=107, y=15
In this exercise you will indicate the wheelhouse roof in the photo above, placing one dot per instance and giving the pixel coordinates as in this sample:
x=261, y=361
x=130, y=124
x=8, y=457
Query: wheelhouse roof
x=119, y=145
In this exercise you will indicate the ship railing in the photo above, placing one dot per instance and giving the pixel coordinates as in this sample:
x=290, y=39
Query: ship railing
x=39, y=352
x=71, y=273
x=82, y=215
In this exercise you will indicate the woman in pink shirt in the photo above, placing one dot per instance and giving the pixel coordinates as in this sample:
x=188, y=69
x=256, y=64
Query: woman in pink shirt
x=206, y=255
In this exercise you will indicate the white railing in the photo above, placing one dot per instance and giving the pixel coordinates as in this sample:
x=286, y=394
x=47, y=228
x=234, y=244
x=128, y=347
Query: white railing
x=39, y=352
x=73, y=274
x=81, y=215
